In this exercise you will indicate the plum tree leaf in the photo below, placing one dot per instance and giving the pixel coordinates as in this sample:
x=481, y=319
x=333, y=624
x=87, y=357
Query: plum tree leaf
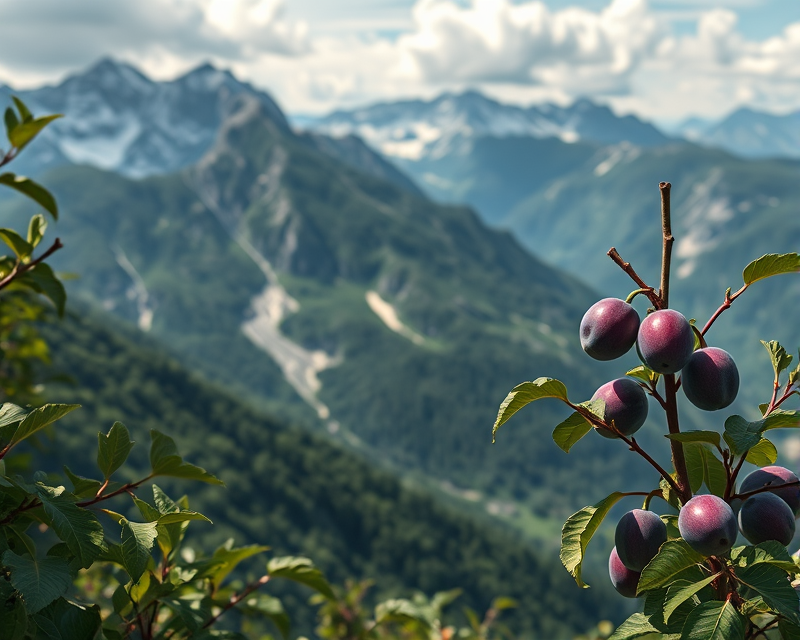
x=43, y=280
x=39, y=418
x=714, y=621
x=788, y=630
x=680, y=591
x=771, y=264
x=636, y=626
x=79, y=528
x=781, y=419
x=742, y=435
x=21, y=247
x=165, y=461
x=645, y=374
x=138, y=539
x=769, y=552
x=21, y=135
x=710, y=437
x=525, y=393
x=566, y=434
x=39, y=581
x=778, y=356
x=32, y=190
x=763, y=454
x=674, y=557
x=300, y=570
x=772, y=584
x=63, y=620
x=113, y=449
x=578, y=531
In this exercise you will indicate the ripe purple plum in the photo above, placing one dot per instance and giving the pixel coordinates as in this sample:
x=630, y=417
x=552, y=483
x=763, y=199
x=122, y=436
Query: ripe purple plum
x=638, y=537
x=665, y=341
x=775, y=476
x=624, y=580
x=626, y=406
x=608, y=329
x=710, y=379
x=765, y=516
x=708, y=525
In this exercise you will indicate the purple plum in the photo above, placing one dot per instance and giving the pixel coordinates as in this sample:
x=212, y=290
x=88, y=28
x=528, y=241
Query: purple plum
x=765, y=516
x=710, y=379
x=626, y=406
x=708, y=525
x=665, y=341
x=608, y=329
x=624, y=580
x=775, y=476
x=638, y=537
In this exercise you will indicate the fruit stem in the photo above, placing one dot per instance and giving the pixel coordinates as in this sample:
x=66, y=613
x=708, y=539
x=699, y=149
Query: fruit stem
x=666, y=251
x=678, y=457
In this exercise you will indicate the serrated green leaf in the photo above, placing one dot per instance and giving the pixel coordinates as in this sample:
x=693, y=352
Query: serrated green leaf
x=566, y=434
x=578, y=531
x=78, y=528
x=64, y=620
x=742, y=435
x=113, y=449
x=526, y=393
x=772, y=584
x=769, y=552
x=226, y=558
x=21, y=247
x=714, y=621
x=36, y=229
x=11, y=414
x=300, y=570
x=39, y=581
x=634, y=627
x=182, y=516
x=781, y=419
x=711, y=437
x=771, y=264
x=680, y=592
x=39, y=418
x=674, y=557
x=25, y=132
x=138, y=539
x=763, y=454
x=165, y=461
x=778, y=356
x=82, y=487
x=43, y=280
x=32, y=190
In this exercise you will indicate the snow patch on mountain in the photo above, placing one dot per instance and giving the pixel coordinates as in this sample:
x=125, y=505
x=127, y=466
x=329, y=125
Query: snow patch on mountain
x=388, y=314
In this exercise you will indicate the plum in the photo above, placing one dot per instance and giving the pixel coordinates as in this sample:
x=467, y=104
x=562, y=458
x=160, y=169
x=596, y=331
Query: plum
x=708, y=525
x=608, y=329
x=624, y=580
x=710, y=379
x=638, y=537
x=775, y=476
x=626, y=406
x=765, y=516
x=665, y=341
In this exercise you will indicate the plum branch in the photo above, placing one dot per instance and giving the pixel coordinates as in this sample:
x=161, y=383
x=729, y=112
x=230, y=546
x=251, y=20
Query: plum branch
x=644, y=288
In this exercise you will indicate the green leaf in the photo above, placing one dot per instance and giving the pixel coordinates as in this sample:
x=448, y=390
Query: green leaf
x=165, y=461
x=11, y=121
x=24, y=112
x=300, y=570
x=769, y=552
x=182, y=516
x=794, y=375
x=39, y=418
x=673, y=557
x=526, y=393
x=679, y=592
x=704, y=467
x=714, y=621
x=24, y=133
x=777, y=354
x=771, y=264
x=694, y=465
x=113, y=449
x=138, y=539
x=228, y=558
x=400, y=610
x=21, y=247
x=644, y=374
x=271, y=608
x=710, y=437
x=634, y=627
x=13, y=618
x=763, y=454
x=64, y=620
x=32, y=190
x=82, y=487
x=79, y=528
x=38, y=581
x=742, y=435
x=11, y=414
x=566, y=434
x=772, y=584
x=36, y=229
x=780, y=419
x=43, y=280
x=788, y=630
x=578, y=531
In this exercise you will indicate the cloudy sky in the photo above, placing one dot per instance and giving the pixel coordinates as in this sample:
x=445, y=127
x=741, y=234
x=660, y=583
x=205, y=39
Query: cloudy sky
x=661, y=59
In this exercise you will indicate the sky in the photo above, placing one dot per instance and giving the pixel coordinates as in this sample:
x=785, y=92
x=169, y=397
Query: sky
x=663, y=60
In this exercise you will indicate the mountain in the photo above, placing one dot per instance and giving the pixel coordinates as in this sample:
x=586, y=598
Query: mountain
x=118, y=119
x=727, y=211
x=297, y=492
x=750, y=134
